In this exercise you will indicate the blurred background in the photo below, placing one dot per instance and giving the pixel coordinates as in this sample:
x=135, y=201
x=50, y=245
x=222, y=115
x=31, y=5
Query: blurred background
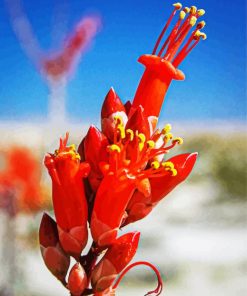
x=58, y=61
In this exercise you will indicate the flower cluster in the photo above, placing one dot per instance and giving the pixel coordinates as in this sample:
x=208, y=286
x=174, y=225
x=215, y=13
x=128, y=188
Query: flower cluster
x=119, y=174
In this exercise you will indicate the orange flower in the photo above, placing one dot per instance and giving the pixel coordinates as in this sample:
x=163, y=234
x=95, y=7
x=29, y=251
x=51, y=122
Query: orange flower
x=69, y=201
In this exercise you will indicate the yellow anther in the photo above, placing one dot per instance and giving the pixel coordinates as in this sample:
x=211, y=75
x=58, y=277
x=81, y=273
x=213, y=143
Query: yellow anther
x=155, y=165
x=168, y=137
x=121, y=131
x=174, y=172
x=201, y=12
x=197, y=34
x=178, y=140
x=177, y=5
x=114, y=147
x=72, y=147
x=77, y=156
x=56, y=152
x=130, y=133
x=168, y=165
x=142, y=137
x=166, y=129
x=182, y=14
x=204, y=36
x=201, y=25
x=186, y=9
x=193, y=9
x=118, y=119
x=193, y=21
x=150, y=144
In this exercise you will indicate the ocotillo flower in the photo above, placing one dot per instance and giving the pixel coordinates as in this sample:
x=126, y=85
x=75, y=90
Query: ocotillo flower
x=129, y=169
x=68, y=195
x=133, y=165
x=161, y=65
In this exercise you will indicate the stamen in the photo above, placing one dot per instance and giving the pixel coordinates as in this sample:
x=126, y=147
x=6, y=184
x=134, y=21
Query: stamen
x=193, y=10
x=182, y=14
x=121, y=131
x=189, y=46
x=150, y=144
x=178, y=140
x=176, y=7
x=130, y=133
x=114, y=147
x=168, y=137
x=166, y=129
x=155, y=165
x=200, y=12
x=142, y=139
x=186, y=9
x=193, y=21
x=201, y=25
x=168, y=164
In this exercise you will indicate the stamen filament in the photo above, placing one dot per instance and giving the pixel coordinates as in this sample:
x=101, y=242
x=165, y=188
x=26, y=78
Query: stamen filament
x=164, y=30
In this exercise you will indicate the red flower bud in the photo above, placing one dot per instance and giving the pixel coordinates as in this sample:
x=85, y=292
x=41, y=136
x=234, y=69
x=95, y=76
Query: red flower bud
x=54, y=257
x=141, y=205
x=77, y=281
x=95, y=144
x=112, y=107
x=114, y=261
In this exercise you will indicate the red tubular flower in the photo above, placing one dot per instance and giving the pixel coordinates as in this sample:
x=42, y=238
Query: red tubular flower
x=161, y=67
x=68, y=196
x=54, y=257
x=110, y=203
x=114, y=261
x=141, y=205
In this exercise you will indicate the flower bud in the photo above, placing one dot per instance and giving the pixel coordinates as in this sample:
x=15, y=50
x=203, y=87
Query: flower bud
x=77, y=281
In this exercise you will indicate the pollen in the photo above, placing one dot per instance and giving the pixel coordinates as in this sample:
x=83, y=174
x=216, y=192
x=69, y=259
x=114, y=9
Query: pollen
x=186, y=9
x=177, y=5
x=150, y=144
x=193, y=9
x=155, y=165
x=174, y=172
x=168, y=164
x=201, y=12
x=193, y=21
x=142, y=139
x=178, y=140
x=130, y=133
x=114, y=147
x=201, y=25
x=166, y=129
x=121, y=131
x=182, y=14
x=168, y=137
x=118, y=120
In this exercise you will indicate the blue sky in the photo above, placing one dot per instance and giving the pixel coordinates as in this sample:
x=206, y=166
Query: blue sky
x=214, y=88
